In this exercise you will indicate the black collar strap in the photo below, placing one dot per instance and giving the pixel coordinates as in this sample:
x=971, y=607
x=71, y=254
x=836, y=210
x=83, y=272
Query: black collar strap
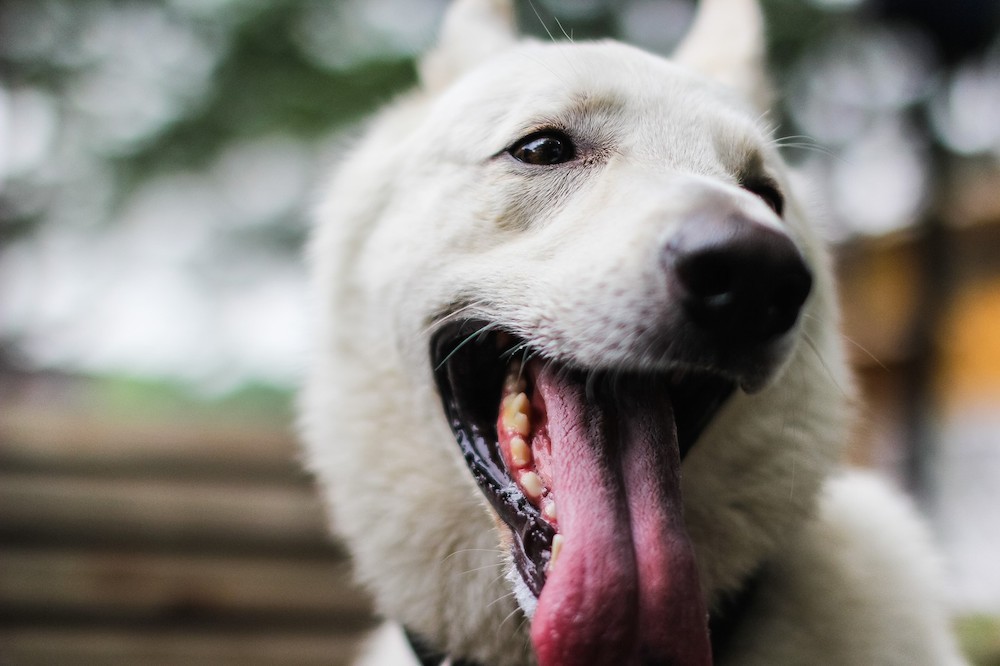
x=427, y=656
x=730, y=611
x=722, y=625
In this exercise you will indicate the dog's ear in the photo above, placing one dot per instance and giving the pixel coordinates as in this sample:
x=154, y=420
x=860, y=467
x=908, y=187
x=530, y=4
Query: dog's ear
x=473, y=30
x=726, y=42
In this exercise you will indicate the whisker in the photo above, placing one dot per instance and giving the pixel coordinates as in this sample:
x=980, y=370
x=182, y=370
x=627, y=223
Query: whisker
x=509, y=354
x=525, y=357
x=795, y=137
x=809, y=343
x=552, y=38
x=499, y=599
x=866, y=352
x=509, y=615
x=452, y=315
x=804, y=142
x=767, y=126
x=501, y=576
x=562, y=29
x=492, y=565
x=541, y=21
x=469, y=338
x=464, y=551
x=529, y=354
x=526, y=354
x=822, y=150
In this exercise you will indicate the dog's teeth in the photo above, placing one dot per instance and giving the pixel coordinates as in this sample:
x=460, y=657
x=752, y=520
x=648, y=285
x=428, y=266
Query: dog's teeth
x=516, y=411
x=557, y=544
x=520, y=452
x=508, y=416
x=549, y=510
x=520, y=403
x=531, y=483
x=510, y=421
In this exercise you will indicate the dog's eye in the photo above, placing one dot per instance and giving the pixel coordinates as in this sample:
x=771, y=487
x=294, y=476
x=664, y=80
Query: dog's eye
x=767, y=190
x=543, y=148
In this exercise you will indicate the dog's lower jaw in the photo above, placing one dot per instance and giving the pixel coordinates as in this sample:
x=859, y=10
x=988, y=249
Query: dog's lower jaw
x=526, y=599
x=625, y=569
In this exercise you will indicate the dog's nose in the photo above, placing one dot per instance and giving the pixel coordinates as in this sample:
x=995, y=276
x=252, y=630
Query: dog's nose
x=737, y=280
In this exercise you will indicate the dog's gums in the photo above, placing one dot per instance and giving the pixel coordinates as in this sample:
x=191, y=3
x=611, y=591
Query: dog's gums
x=583, y=466
x=522, y=417
x=471, y=371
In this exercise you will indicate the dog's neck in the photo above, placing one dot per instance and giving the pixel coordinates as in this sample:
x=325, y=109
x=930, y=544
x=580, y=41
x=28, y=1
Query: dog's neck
x=722, y=623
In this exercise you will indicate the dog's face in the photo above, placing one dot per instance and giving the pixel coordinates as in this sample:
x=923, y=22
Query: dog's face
x=580, y=356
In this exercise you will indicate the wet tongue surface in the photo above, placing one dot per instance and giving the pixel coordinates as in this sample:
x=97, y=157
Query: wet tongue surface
x=625, y=588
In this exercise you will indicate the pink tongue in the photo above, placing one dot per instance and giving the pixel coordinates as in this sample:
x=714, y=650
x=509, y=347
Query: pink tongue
x=625, y=588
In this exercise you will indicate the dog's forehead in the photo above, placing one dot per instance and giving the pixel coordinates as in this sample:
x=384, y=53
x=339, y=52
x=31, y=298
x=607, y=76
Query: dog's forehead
x=619, y=89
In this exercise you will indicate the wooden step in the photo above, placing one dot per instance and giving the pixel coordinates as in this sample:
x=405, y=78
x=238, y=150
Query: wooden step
x=90, y=583
x=176, y=512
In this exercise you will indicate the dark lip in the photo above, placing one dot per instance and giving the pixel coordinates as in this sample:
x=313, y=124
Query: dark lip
x=469, y=370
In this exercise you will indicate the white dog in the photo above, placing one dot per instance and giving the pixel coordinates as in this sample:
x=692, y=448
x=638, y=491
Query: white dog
x=579, y=396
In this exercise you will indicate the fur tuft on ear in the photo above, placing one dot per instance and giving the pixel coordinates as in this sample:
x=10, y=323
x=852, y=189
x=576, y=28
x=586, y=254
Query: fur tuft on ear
x=473, y=30
x=726, y=42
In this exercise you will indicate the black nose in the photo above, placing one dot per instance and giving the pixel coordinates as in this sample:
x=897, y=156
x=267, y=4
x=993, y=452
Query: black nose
x=737, y=280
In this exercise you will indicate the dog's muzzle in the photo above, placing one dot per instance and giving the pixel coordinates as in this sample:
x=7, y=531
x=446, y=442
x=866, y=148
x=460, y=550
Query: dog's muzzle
x=584, y=464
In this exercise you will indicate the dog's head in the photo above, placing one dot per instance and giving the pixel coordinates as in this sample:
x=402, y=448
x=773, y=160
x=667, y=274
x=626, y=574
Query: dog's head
x=578, y=369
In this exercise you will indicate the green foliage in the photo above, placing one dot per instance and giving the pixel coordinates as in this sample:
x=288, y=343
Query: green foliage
x=794, y=26
x=140, y=399
x=264, y=84
x=980, y=637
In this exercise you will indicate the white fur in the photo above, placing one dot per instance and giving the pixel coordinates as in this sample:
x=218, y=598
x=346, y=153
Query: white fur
x=859, y=585
x=422, y=215
x=387, y=645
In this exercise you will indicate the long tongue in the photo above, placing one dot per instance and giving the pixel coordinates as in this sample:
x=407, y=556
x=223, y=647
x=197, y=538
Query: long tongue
x=625, y=587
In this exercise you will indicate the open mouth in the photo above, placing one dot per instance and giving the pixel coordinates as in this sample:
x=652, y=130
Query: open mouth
x=569, y=456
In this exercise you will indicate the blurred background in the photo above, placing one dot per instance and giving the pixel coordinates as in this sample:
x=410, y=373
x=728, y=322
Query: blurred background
x=158, y=161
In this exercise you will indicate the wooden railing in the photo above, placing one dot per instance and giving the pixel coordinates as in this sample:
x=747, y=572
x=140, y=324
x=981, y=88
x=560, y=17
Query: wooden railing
x=134, y=541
